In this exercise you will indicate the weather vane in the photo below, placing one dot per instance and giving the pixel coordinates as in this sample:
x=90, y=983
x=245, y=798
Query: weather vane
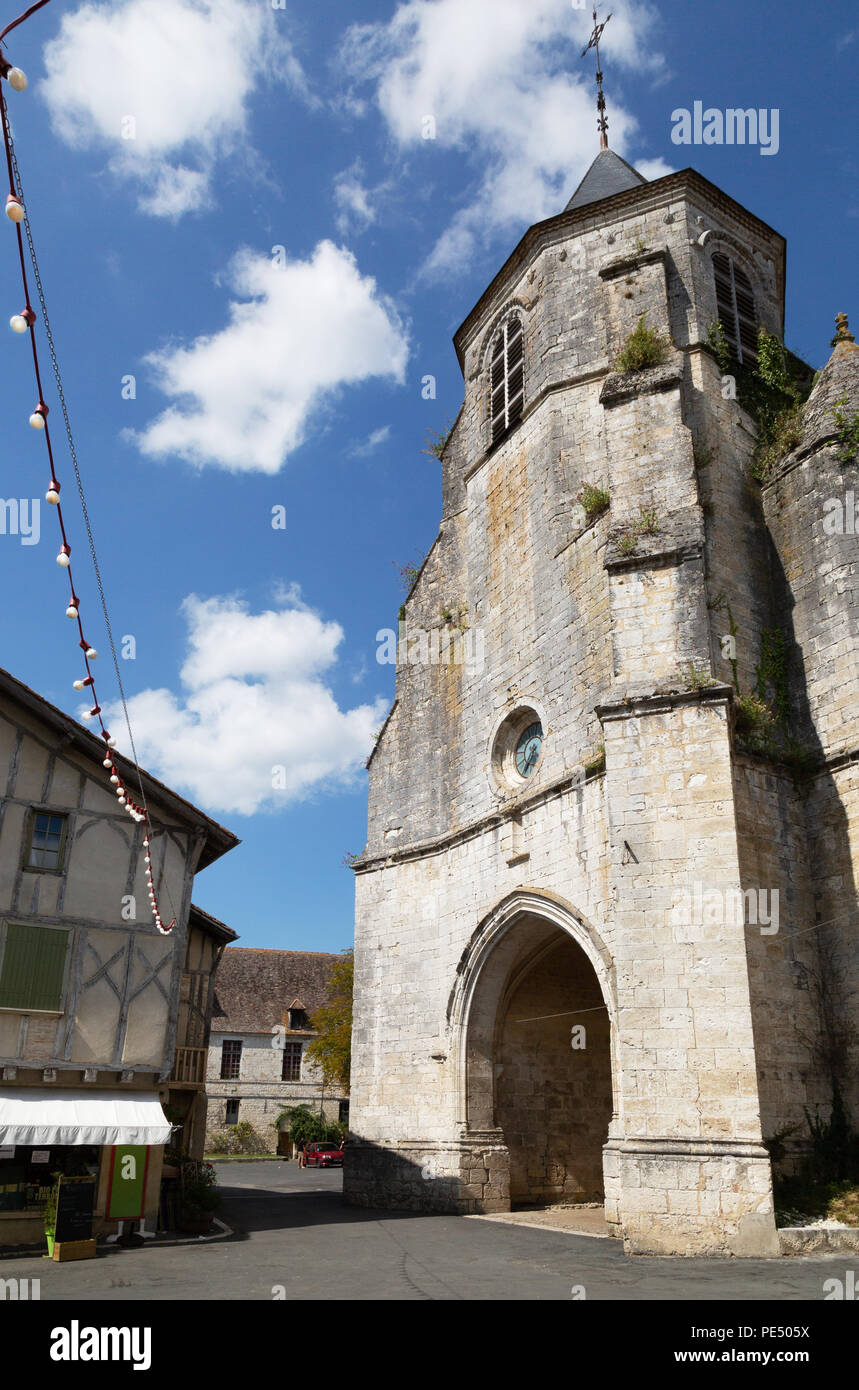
x=594, y=42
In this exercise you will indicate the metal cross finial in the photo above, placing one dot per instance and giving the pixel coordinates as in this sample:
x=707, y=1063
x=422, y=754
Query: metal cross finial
x=594, y=42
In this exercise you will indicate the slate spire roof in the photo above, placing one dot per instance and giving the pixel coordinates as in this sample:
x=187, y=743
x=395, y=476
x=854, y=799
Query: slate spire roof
x=607, y=175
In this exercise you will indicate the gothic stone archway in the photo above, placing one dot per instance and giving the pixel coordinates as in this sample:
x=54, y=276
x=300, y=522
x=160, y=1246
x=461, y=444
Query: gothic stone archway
x=534, y=971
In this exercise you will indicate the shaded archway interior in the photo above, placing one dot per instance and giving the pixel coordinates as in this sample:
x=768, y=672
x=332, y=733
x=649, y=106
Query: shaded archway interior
x=539, y=1063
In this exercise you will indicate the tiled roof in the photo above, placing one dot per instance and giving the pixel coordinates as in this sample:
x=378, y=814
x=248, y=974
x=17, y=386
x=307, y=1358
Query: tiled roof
x=255, y=987
x=607, y=175
x=213, y=925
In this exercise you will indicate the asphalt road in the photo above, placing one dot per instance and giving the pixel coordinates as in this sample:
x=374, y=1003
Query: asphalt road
x=294, y=1239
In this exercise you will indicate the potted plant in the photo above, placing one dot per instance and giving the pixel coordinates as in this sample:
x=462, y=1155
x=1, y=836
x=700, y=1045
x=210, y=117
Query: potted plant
x=200, y=1199
x=49, y=1216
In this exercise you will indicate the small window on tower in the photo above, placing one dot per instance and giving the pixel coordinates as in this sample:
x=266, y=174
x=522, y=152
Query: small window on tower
x=735, y=302
x=507, y=378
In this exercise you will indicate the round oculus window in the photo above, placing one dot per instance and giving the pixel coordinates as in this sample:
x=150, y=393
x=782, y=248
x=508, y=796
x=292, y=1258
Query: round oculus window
x=517, y=748
x=528, y=749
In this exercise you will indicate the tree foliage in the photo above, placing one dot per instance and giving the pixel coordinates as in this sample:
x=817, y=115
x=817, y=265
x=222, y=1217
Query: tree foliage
x=303, y=1124
x=331, y=1050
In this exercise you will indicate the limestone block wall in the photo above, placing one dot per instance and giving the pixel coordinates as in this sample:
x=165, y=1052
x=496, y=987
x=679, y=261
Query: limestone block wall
x=259, y=1089
x=711, y=1043
x=810, y=506
x=689, y=1103
x=833, y=818
x=821, y=573
x=771, y=810
x=510, y=512
x=414, y=920
x=554, y=1100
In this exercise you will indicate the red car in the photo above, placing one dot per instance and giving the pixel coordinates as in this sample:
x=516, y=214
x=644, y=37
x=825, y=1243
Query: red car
x=324, y=1156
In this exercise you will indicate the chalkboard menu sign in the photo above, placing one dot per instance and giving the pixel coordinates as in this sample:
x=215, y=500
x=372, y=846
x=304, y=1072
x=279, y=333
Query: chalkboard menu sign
x=75, y=1202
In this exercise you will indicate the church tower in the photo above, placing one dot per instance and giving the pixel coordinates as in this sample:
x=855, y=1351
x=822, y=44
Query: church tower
x=591, y=909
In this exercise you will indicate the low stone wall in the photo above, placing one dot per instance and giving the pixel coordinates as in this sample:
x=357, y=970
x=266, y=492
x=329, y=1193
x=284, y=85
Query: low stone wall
x=463, y=1178
x=819, y=1240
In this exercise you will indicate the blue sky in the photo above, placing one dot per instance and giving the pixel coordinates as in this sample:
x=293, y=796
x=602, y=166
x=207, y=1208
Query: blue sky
x=292, y=378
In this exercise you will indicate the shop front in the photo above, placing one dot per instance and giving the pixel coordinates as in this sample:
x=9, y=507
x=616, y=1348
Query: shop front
x=73, y=1134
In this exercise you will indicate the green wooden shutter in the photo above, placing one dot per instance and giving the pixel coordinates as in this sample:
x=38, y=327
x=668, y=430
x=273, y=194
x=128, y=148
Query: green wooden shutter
x=34, y=962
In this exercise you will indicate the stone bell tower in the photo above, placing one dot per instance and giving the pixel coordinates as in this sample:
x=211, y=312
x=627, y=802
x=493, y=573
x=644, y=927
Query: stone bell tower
x=561, y=992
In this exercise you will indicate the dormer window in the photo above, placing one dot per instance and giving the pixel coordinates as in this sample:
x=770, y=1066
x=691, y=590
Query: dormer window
x=507, y=378
x=735, y=301
x=297, y=1018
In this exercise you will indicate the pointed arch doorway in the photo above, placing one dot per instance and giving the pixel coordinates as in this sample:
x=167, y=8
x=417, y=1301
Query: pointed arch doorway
x=533, y=1013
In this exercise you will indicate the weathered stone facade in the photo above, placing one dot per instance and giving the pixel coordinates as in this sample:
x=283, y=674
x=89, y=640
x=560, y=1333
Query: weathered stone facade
x=488, y=907
x=257, y=994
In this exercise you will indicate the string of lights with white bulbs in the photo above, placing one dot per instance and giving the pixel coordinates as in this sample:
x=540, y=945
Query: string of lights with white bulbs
x=24, y=322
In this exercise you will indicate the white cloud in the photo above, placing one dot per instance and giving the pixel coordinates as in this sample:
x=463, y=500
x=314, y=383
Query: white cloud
x=653, y=168
x=502, y=82
x=352, y=199
x=297, y=333
x=371, y=443
x=163, y=87
x=255, y=699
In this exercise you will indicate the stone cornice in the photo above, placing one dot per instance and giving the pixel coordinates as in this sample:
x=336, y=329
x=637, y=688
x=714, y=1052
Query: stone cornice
x=625, y=386
x=627, y=264
x=634, y=704
x=423, y=848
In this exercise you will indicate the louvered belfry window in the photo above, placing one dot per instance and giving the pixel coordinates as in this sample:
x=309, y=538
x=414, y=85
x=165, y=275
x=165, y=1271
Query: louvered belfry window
x=735, y=301
x=507, y=378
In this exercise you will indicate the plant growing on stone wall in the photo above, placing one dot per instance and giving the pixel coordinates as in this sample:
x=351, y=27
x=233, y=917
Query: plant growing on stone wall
x=456, y=617
x=626, y=537
x=716, y=606
x=773, y=392
x=776, y=440
x=643, y=348
x=377, y=735
x=772, y=368
x=755, y=724
x=349, y=860
x=694, y=677
x=717, y=344
x=771, y=673
x=410, y=572
x=801, y=760
x=437, y=440
x=627, y=541
x=596, y=764
x=848, y=434
x=594, y=500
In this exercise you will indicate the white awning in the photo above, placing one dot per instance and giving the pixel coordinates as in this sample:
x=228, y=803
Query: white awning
x=45, y=1117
